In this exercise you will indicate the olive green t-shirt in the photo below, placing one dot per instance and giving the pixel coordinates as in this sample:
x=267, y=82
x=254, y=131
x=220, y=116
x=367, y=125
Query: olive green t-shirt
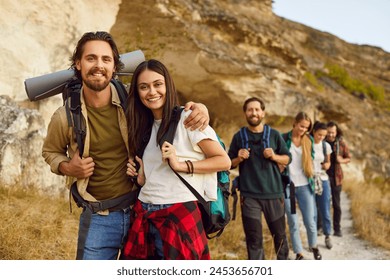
x=108, y=150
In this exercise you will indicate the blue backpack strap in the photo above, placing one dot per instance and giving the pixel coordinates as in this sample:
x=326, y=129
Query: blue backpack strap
x=266, y=134
x=244, y=138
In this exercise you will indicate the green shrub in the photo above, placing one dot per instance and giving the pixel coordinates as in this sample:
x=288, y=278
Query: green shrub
x=341, y=76
x=312, y=79
x=376, y=93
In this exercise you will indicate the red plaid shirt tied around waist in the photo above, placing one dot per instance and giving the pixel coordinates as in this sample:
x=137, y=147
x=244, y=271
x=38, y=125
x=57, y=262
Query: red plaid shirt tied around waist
x=181, y=230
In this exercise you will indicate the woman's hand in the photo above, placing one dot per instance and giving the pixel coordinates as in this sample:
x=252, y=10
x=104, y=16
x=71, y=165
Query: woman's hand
x=134, y=173
x=168, y=152
x=325, y=165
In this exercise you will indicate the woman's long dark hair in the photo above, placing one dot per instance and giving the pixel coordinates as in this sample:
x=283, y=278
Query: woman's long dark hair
x=139, y=117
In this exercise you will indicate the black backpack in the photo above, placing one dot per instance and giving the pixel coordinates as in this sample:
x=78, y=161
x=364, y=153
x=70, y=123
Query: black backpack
x=215, y=214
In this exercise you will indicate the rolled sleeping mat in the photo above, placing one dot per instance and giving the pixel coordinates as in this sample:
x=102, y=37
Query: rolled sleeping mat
x=47, y=85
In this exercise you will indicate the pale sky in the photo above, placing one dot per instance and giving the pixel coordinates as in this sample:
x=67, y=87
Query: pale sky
x=355, y=21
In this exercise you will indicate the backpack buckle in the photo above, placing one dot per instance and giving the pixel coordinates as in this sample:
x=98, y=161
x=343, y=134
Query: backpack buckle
x=96, y=206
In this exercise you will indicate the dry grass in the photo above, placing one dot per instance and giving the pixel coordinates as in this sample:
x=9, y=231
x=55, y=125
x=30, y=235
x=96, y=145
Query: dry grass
x=34, y=227
x=370, y=208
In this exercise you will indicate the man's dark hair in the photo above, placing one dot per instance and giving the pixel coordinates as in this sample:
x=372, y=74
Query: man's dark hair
x=339, y=131
x=95, y=36
x=262, y=106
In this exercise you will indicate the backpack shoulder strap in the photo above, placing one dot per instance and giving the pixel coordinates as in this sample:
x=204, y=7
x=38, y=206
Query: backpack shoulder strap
x=244, y=137
x=123, y=95
x=324, y=151
x=144, y=142
x=72, y=87
x=78, y=124
x=266, y=134
x=337, y=146
x=71, y=97
x=170, y=134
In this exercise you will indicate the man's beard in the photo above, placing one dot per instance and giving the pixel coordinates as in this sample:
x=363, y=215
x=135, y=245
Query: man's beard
x=253, y=122
x=96, y=86
x=330, y=139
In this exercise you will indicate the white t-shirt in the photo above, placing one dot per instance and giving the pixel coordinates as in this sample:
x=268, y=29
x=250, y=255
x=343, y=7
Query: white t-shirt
x=162, y=186
x=295, y=168
x=319, y=158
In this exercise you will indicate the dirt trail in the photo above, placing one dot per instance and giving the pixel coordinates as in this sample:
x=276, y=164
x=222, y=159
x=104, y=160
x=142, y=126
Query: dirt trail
x=349, y=246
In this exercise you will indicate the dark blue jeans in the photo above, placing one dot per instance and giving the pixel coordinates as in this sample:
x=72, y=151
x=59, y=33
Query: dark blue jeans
x=153, y=231
x=306, y=202
x=106, y=235
x=323, y=203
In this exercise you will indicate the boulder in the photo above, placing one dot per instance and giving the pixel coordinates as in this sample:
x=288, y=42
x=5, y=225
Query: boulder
x=22, y=133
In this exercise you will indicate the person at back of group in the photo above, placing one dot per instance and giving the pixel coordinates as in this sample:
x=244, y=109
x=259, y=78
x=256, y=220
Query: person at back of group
x=322, y=151
x=340, y=155
x=261, y=189
x=167, y=223
x=100, y=172
x=301, y=173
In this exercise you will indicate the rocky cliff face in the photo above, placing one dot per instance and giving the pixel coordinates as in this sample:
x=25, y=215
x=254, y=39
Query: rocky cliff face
x=38, y=37
x=21, y=137
x=220, y=53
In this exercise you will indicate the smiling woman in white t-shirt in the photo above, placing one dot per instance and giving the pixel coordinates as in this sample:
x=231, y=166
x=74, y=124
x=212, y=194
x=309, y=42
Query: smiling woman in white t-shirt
x=167, y=222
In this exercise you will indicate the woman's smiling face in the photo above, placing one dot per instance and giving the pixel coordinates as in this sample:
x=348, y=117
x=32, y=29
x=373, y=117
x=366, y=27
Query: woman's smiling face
x=152, y=91
x=301, y=127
